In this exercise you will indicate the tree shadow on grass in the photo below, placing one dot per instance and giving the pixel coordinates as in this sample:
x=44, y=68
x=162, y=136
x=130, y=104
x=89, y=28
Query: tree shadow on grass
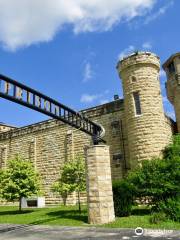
x=63, y=214
x=16, y=212
x=43, y=221
x=70, y=214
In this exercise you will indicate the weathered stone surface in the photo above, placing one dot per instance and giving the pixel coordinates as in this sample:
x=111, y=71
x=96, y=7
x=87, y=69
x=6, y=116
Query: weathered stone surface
x=99, y=189
x=149, y=132
x=51, y=143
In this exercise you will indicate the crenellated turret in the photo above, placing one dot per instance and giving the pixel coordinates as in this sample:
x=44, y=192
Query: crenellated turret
x=144, y=111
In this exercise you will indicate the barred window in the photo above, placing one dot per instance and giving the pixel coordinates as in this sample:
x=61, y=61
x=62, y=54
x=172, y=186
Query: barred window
x=137, y=103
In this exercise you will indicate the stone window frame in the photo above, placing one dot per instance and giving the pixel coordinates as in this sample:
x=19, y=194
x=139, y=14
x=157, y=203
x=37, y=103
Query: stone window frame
x=137, y=103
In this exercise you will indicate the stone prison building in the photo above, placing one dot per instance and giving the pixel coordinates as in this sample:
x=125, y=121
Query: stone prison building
x=136, y=127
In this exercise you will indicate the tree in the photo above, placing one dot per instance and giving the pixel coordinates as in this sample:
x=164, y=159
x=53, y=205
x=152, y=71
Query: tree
x=63, y=189
x=19, y=180
x=72, y=178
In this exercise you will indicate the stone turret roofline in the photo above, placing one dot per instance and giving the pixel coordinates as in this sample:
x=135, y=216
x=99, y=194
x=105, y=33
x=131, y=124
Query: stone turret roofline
x=136, y=54
x=170, y=59
x=143, y=58
x=6, y=125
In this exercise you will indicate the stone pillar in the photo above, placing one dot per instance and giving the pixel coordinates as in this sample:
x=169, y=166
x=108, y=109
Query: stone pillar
x=99, y=185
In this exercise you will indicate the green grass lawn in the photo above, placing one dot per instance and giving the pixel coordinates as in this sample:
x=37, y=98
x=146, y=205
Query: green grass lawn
x=69, y=216
x=50, y=216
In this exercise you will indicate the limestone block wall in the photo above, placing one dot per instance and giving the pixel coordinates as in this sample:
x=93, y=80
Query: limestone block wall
x=147, y=130
x=112, y=118
x=50, y=143
x=44, y=144
x=5, y=128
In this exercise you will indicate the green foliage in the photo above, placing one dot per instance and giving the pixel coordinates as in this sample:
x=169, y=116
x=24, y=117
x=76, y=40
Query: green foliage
x=72, y=178
x=173, y=150
x=63, y=189
x=74, y=174
x=123, y=193
x=171, y=207
x=19, y=180
x=159, y=180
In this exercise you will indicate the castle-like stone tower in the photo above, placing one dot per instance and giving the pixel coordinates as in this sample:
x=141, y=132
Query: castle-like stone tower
x=172, y=69
x=144, y=114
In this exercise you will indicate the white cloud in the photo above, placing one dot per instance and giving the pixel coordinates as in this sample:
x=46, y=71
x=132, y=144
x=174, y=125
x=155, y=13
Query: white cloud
x=131, y=48
x=147, y=45
x=88, y=72
x=160, y=12
x=89, y=98
x=25, y=22
x=126, y=52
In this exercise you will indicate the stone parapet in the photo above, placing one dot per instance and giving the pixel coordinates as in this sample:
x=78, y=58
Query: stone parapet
x=138, y=58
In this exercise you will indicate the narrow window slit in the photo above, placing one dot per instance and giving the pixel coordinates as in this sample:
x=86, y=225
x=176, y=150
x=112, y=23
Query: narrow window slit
x=137, y=103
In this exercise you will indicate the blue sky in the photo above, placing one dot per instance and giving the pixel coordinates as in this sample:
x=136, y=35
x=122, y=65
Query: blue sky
x=68, y=50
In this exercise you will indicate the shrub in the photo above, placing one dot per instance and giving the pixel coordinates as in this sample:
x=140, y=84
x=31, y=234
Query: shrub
x=173, y=150
x=159, y=180
x=171, y=207
x=123, y=193
x=157, y=217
